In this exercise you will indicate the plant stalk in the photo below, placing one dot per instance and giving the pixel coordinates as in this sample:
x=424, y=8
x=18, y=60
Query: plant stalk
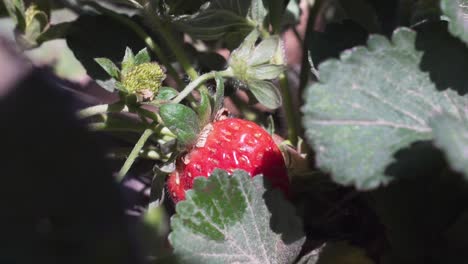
x=96, y=110
x=199, y=81
x=134, y=154
x=288, y=104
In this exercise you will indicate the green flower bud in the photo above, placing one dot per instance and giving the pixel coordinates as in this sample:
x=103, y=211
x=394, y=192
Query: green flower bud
x=144, y=80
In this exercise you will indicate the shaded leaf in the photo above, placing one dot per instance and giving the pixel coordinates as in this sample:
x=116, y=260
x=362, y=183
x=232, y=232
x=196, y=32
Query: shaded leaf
x=109, y=67
x=363, y=13
x=210, y=61
x=336, y=38
x=275, y=9
x=213, y=24
x=457, y=237
x=292, y=13
x=227, y=19
x=181, y=7
x=235, y=219
x=368, y=105
x=447, y=69
x=343, y=253
x=457, y=12
x=182, y=121
x=438, y=197
x=121, y=7
x=266, y=93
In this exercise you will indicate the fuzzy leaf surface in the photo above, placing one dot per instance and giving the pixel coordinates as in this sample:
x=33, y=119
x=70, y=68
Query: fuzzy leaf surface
x=451, y=135
x=235, y=219
x=368, y=105
x=457, y=12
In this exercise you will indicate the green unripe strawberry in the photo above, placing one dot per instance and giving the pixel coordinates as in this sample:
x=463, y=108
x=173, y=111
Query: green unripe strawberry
x=144, y=80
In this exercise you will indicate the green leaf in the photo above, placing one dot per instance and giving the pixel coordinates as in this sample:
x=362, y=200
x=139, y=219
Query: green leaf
x=203, y=108
x=182, y=121
x=451, y=135
x=235, y=219
x=368, y=105
x=128, y=61
x=457, y=11
x=219, y=95
x=265, y=72
x=166, y=94
x=266, y=93
x=142, y=56
x=264, y=51
x=109, y=67
x=212, y=24
x=227, y=19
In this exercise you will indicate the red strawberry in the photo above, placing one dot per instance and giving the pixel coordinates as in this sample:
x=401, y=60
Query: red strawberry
x=230, y=144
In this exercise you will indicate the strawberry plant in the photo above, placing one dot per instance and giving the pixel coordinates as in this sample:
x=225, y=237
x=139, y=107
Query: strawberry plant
x=280, y=131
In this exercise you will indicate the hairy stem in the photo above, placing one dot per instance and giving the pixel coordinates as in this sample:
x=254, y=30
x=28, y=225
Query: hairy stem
x=144, y=154
x=134, y=154
x=199, y=81
x=96, y=110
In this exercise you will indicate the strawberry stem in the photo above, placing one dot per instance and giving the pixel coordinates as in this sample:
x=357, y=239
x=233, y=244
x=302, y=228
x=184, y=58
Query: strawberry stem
x=200, y=80
x=134, y=154
x=96, y=110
